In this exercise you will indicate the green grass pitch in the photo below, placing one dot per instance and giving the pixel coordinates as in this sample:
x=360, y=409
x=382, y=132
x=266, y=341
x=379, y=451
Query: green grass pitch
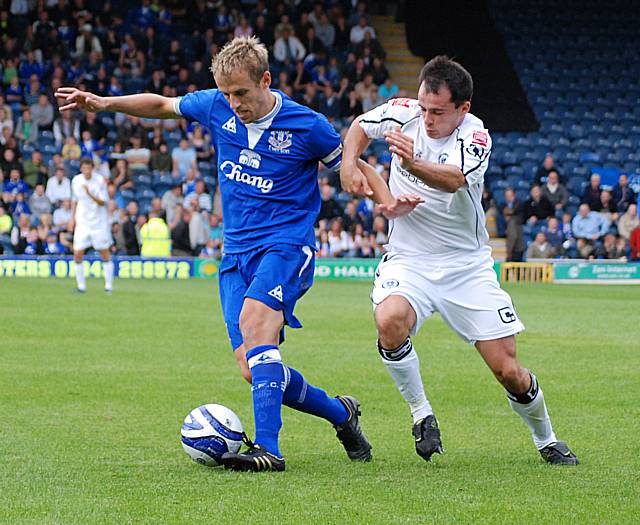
x=93, y=390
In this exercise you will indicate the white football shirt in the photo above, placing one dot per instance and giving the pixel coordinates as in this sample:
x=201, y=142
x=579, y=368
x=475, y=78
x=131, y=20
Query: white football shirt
x=445, y=222
x=88, y=213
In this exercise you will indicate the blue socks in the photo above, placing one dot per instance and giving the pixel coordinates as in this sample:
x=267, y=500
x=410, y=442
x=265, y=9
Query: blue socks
x=272, y=385
x=267, y=389
x=304, y=397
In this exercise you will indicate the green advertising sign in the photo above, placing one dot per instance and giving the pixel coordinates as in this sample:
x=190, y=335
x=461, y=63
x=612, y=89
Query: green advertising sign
x=350, y=269
x=598, y=273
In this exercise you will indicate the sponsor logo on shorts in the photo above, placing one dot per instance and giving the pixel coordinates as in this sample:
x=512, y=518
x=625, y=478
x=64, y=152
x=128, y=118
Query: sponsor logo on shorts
x=506, y=315
x=391, y=283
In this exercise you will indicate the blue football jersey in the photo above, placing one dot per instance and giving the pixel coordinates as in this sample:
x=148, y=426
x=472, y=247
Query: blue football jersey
x=267, y=169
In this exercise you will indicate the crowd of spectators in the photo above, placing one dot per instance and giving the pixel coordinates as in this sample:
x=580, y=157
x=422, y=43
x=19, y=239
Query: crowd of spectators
x=324, y=54
x=605, y=225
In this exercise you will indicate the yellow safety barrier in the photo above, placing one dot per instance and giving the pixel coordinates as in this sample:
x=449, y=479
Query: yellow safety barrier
x=526, y=272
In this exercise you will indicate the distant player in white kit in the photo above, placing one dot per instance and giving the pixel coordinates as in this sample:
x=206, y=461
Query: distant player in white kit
x=437, y=258
x=90, y=198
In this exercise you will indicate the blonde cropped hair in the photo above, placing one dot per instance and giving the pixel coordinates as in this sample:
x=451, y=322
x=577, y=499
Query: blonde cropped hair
x=243, y=52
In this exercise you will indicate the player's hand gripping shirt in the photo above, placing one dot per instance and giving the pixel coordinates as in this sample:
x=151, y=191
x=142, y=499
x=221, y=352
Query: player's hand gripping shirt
x=268, y=169
x=445, y=221
x=88, y=213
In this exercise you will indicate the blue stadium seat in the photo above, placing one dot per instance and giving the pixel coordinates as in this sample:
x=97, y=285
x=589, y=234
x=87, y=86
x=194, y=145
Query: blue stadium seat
x=146, y=193
x=128, y=195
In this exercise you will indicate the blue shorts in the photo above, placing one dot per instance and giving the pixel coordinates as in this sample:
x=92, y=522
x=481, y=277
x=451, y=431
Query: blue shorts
x=277, y=276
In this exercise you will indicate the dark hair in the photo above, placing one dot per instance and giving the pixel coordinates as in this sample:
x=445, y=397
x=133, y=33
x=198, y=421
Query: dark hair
x=86, y=160
x=442, y=70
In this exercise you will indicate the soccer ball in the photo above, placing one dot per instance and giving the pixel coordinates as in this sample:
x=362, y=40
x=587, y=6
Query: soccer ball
x=209, y=431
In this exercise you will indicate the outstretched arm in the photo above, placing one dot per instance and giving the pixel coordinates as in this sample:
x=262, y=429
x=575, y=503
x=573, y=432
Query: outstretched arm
x=146, y=105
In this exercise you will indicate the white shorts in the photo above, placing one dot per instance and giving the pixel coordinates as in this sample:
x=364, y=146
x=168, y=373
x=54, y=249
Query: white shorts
x=465, y=292
x=98, y=238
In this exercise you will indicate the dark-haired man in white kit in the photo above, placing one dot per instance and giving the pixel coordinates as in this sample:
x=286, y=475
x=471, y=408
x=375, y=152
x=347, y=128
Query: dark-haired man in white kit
x=438, y=259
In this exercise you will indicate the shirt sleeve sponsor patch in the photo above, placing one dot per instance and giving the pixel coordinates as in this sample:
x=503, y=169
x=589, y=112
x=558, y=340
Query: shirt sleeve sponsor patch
x=405, y=102
x=479, y=138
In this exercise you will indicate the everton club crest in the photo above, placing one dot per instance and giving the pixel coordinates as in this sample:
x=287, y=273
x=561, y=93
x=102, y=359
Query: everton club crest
x=280, y=141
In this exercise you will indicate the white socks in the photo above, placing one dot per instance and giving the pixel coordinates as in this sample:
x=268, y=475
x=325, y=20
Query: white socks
x=531, y=407
x=404, y=366
x=108, y=275
x=80, y=279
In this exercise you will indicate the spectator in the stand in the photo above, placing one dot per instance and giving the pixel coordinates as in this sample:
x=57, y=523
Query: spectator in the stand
x=243, y=28
x=514, y=215
x=155, y=237
x=35, y=171
x=200, y=196
x=350, y=217
x=325, y=31
x=342, y=39
x=611, y=248
x=94, y=126
x=591, y=195
x=263, y=32
x=20, y=232
x=66, y=125
x=330, y=104
x=9, y=162
x=555, y=236
x=170, y=201
x=623, y=195
x=354, y=106
x=26, y=129
x=358, y=31
x=589, y=225
x=181, y=243
x=537, y=208
x=338, y=239
x=311, y=43
x=388, y=90
x=5, y=121
x=6, y=224
x=608, y=207
x=161, y=159
x=52, y=245
x=555, y=192
x=548, y=164
x=288, y=49
x=87, y=43
x=198, y=228
x=71, y=149
x=173, y=59
x=137, y=156
x=200, y=139
x=39, y=203
x=184, y=159
x=130, y=229
x=43, y=113
x=300, y=77
x=540, y=248
x=63, y=214
x=89, y=147
x=329, y=207
x=121, y=176
x=13, y=186
x=634, y=244
x=310, y=98
x=380, y=234
x=628, y=222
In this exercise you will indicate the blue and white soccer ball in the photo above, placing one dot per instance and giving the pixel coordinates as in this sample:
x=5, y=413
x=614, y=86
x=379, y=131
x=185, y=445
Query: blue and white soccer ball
x=209, y=431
